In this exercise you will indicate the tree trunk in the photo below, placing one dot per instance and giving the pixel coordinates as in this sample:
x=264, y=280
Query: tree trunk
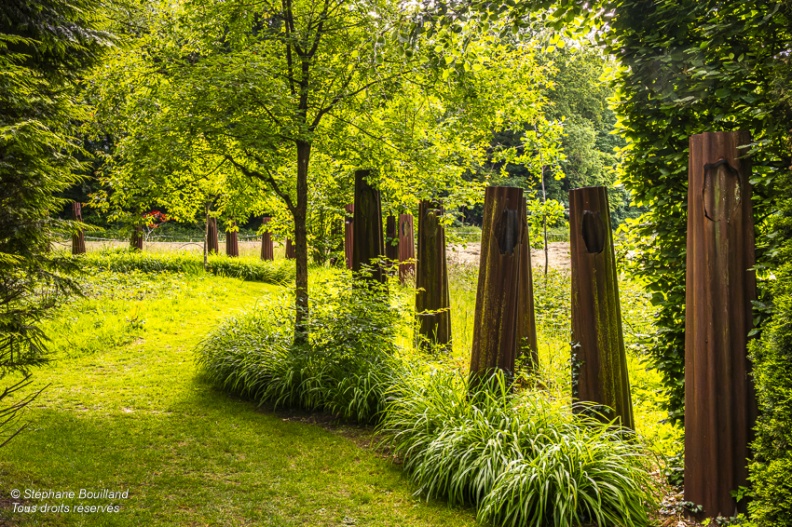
x=392, y=241
x=349, y=228
x=78, y=238
x=212, y=245
x=301, y=239
x=432, y=300
x=232, y=243
x=369, y=246
x=720, y=404
x=599, y=364
x=267, y=252
x=500, y=300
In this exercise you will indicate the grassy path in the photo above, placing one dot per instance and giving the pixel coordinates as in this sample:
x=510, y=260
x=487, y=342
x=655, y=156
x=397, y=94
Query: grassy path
x=125, y=410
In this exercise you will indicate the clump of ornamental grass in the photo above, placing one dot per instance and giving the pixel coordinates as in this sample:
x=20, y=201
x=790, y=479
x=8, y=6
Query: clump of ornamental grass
x=522, y=458
x=250, y=269
x=343, y=368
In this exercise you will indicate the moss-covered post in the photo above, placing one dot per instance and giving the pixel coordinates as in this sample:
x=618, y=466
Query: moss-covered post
x=497, y=330
x=368, y=243
x=212, y=245
x=528, y=346
x=291, y=251
x=349, y=238
x=267, y=252
x=720, y=405
x=78, y=238
x=432, y=300
x=232, y=242
x=599, y=363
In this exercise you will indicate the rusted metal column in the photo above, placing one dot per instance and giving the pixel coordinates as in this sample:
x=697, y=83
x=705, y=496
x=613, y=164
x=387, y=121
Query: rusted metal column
x=720, y=405
x=291, y=251
x=212, y=245
x=432, y=299
x=528, y=347
x=497, y=330
x=368, y=243
x=78, y=238
x=349, y=227
x=232, y=243
x=406, y=254
x=136, y=241
x=267, y=252
x=599, y=363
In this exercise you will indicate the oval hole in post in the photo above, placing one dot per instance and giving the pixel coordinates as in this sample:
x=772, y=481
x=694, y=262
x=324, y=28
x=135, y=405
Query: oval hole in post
x=507, y=231
x=721, y=190
x=593, y=232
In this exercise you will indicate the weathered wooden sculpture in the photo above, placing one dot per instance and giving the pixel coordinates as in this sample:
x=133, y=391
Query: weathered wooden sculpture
x=267, y=252
x=368, y=243
x=527, y=339
x=349, y=227
x=212, y=245
x=78, y=238
x=400, y=245
x=432, y=300
x=232, y=242
x=291, y=250
x=599, y=363
x=720, y=406
x=501, y=319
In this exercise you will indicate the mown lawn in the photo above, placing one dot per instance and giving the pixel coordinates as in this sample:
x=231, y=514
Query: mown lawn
x=124, y=408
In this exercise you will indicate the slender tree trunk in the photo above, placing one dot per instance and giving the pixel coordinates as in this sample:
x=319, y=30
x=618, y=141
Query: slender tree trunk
x=349, y=236
x=544, y=224
x=78, y=238
x=301, y=242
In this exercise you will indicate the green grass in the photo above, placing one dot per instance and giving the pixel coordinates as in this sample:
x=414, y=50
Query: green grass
x=124, y=409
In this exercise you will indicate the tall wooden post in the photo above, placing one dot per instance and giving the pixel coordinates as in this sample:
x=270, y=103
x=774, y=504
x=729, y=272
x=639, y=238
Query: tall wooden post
x=291, y=251
x=501, y=306
x=528, y=346
x=136, y=241
x=78, y=238
x=267, y=252
x=212, y=245
x=720, y=405
x=432, y=300
x=349, y=227
x=232, y=242
x=599, y=363
x=399, y=243
x=368, y=246
x=406, y=254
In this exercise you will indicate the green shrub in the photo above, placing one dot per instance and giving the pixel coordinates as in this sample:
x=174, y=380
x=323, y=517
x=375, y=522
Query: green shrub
x=772, y=465
x=521, y=458
x=343, y=369
x=250, y=269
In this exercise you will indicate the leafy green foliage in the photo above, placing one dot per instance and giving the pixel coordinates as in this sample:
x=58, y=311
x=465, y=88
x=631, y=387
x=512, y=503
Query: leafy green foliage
x=343, y=368
x=44, y=46
x=250, y=269
x=522, y=458
x=772, y=356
